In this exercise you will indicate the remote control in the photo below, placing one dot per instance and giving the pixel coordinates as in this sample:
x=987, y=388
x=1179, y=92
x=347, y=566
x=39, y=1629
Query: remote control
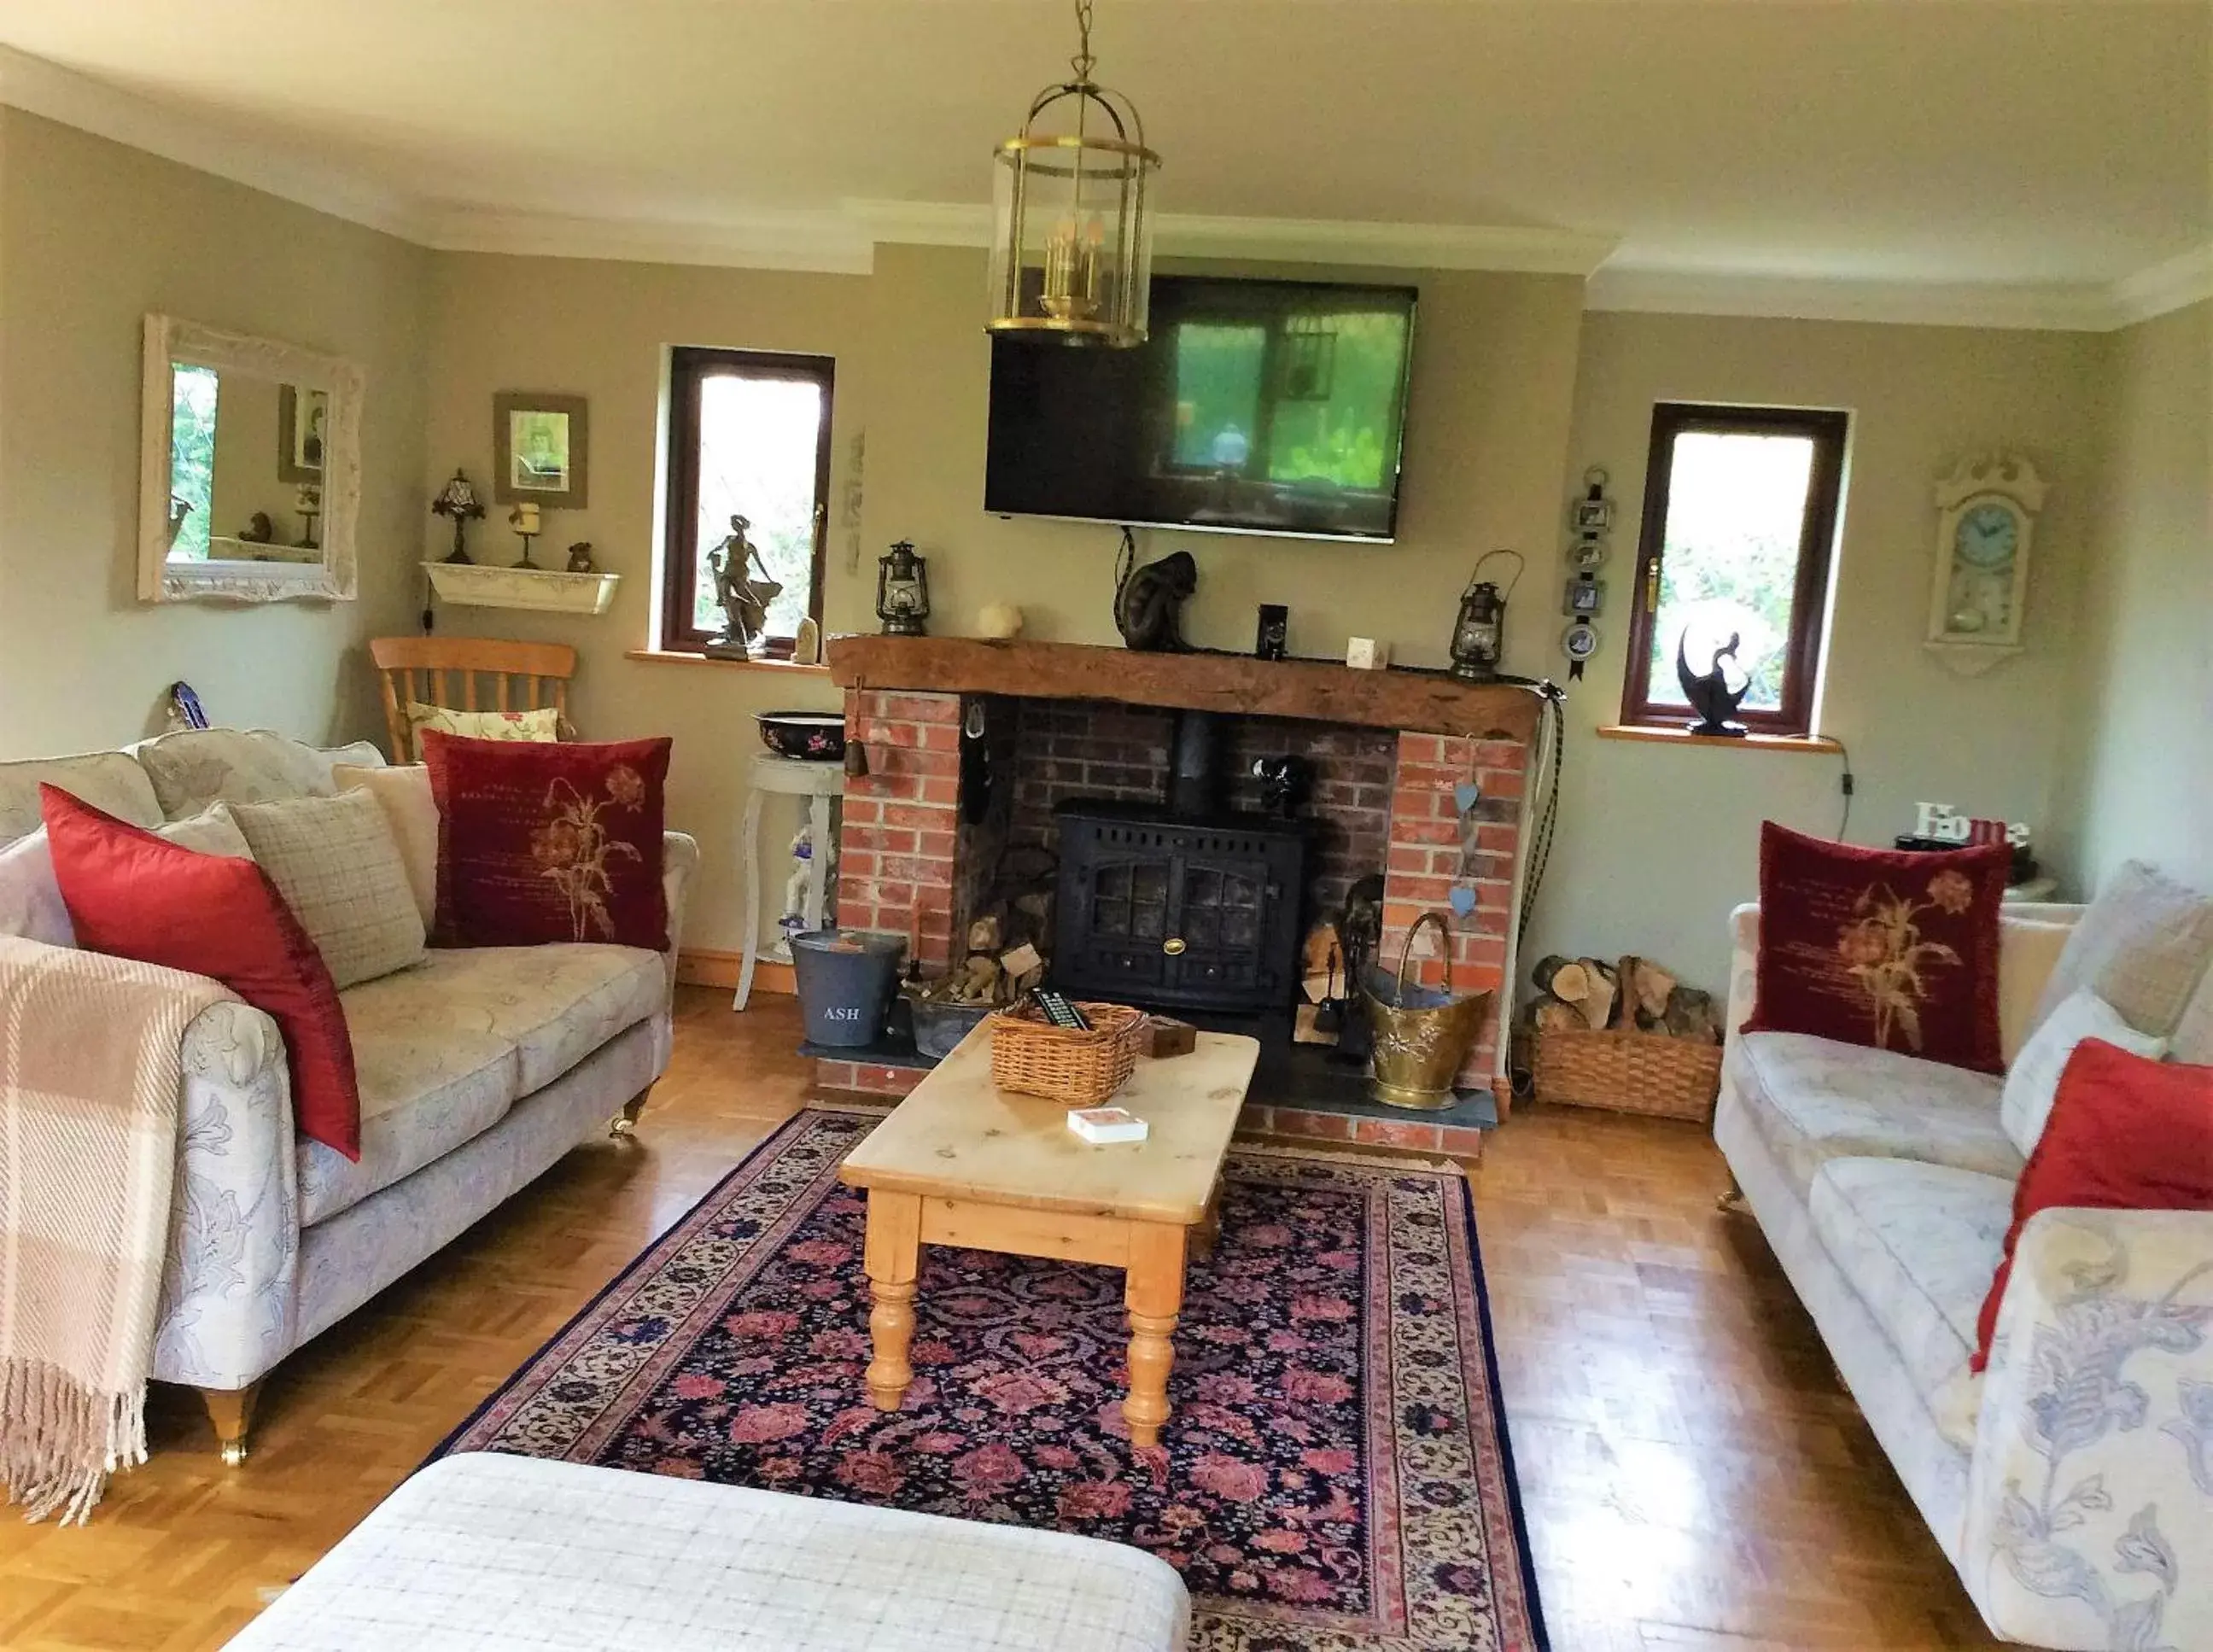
x=1059, y=1011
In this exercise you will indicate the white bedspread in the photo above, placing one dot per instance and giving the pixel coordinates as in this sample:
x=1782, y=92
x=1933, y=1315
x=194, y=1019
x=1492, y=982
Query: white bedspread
x=482, y=1550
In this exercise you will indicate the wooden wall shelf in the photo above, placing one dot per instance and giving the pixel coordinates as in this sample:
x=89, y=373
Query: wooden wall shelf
x=479, y=585
x=1431, y=701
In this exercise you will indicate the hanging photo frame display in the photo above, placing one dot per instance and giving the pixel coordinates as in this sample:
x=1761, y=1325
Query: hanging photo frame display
x=1590, y=520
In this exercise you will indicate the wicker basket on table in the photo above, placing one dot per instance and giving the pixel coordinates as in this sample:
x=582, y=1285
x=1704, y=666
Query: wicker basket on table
x=1081, y=1069
x=1648, y=1073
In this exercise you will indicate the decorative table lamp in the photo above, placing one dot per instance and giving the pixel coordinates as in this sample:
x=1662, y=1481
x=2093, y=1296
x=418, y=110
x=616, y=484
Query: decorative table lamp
x=902, y=590
x=309, y=503
x=523, y=519
x=458, y=501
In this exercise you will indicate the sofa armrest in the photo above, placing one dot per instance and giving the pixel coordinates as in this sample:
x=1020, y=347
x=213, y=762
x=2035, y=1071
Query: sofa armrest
x=228, y=1305
x=1744, y=964
x=680, y=871
x=2092, y=1483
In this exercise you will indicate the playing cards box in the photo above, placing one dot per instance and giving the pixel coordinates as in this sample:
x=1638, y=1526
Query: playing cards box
x=1101, y=1125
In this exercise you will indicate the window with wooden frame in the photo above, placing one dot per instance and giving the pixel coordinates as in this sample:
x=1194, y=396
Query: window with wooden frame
x=1732, y=559
x=748, y=435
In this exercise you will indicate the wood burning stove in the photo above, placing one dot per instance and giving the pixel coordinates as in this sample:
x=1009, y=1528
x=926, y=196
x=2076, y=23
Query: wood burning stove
x=1200, y=914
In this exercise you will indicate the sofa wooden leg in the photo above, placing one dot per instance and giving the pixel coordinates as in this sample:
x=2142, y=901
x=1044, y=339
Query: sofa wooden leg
x=231, y=1410
x=1731, y=1203
x=625, y=1122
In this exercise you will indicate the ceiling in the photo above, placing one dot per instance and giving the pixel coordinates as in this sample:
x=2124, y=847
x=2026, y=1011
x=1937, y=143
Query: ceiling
x=1884, y=141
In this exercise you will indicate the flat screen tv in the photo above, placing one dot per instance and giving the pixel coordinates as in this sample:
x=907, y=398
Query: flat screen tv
x=1254, y=408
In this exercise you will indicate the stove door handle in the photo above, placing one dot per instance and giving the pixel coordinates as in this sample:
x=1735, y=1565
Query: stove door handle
x=1174, y=946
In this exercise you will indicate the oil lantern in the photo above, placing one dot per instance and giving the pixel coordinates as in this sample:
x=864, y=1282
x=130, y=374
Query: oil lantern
x=902, y=590
x=1479, y=636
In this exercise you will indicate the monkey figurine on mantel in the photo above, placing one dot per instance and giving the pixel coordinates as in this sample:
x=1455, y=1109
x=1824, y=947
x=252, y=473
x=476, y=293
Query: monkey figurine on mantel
x=1148, y=600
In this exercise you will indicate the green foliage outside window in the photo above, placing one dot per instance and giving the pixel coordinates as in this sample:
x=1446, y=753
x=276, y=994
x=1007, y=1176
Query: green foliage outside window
x=192, y=455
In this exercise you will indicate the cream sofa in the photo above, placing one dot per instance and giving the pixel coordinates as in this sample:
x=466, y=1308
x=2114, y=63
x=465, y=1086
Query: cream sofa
x=2072, y=1483
x=479, y=1069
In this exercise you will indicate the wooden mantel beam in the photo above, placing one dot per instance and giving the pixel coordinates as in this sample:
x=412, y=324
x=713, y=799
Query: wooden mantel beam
x=1430, y=701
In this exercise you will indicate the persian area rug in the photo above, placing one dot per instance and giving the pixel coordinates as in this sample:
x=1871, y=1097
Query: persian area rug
x=1335, y=1475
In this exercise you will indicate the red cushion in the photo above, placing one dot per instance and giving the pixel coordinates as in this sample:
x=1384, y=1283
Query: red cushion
x=542, y=843
x=135, y=895
x=1889, y=948
x=2127, y=1133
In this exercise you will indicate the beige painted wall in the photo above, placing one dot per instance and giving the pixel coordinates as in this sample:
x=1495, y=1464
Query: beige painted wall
x=601, y=330
x=245, y=479
x=93, y=235
x=2139, y=776
x=1656, y=845
x=1493, y=377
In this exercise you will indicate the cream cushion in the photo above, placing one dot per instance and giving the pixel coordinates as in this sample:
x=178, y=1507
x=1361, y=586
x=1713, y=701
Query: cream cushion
x=1811, y=1100
x=2142, y=946
x=2033, y=1081
x=195, y=767
x=2029, y=952
x=1920, y=1245
x=443, y=1050
x=107, y=780
x=543, y=725
x=411, y=810
x=30, y=904
x=337, y=863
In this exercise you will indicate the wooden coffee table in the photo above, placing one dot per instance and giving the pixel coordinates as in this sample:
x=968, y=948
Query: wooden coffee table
x=961, y=1162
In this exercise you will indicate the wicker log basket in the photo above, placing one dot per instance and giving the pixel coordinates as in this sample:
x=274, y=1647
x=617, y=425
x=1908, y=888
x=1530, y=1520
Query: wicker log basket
x=1647, y=1073
x=1079, y=1068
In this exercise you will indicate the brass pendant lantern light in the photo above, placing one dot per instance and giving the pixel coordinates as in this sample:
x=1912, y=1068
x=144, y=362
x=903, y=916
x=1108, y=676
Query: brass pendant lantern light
x=1072, y=214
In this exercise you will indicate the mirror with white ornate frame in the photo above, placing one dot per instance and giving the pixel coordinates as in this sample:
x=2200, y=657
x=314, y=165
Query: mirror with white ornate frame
x=249, y=468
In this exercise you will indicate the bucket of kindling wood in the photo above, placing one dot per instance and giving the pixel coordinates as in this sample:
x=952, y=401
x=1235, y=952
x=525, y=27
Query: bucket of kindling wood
x=1421, y=1034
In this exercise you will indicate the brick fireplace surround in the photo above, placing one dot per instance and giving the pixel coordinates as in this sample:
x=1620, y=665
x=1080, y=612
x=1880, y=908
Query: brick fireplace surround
x=1389, y=750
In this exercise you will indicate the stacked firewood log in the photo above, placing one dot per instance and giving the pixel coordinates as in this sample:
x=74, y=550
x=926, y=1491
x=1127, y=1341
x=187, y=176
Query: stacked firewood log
x=1634, y=995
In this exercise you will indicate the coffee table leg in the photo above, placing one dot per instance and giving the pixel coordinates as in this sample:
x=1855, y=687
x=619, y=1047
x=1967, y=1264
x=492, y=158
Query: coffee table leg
x=1203, y=1236
x=895, y=1244
x=1153, y=1292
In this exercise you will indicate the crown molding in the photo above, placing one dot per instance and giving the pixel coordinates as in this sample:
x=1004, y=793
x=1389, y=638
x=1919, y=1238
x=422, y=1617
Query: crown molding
x=842, y=240
x=192, y=139
x=2175, y=285
x=2049, y=307
x=1291, y=240
x=824, y=243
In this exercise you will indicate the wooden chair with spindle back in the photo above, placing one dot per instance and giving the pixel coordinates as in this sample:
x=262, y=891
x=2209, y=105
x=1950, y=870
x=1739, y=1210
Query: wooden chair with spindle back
x=432, y=670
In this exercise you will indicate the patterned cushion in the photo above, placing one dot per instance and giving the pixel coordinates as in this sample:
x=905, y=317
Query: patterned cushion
x=107, y=780
x=445, y=1049
x=543, y=725
x=337, y=866
x=1812, y=1099
x=404, y=793
x=213, y=831
x=1918, y=1243
x=2142, y=946
x=2033, y=1079
x=195, y=767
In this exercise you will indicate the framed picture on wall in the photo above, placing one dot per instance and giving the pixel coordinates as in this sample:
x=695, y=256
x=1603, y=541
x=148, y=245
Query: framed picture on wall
x=540, y=449
x=300, y=430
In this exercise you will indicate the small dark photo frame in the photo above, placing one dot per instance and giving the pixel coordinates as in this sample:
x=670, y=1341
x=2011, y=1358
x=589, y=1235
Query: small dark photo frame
x=299, y=451
x=541, y=449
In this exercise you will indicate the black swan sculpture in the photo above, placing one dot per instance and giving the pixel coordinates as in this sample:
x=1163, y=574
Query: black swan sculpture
x=1709, y=691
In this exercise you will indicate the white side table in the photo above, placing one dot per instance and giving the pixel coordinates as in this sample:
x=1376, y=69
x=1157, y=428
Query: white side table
x=817, y=783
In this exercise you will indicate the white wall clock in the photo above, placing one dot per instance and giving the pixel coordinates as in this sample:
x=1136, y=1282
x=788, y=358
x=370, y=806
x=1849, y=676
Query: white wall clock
x=1986, y=519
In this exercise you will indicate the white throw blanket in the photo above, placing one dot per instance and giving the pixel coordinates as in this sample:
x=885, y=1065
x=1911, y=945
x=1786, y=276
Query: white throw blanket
x=89, y=1084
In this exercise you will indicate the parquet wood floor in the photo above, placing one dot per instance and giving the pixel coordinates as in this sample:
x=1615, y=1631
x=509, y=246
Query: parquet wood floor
x=1694, y=1479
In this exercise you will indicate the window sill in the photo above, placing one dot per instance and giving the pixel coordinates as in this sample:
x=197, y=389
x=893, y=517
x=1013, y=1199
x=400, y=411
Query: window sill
x=678, y=656
x=1751, y=743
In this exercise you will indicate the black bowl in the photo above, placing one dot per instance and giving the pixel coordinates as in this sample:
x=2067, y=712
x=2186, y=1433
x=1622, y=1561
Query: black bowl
x=815, y=736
